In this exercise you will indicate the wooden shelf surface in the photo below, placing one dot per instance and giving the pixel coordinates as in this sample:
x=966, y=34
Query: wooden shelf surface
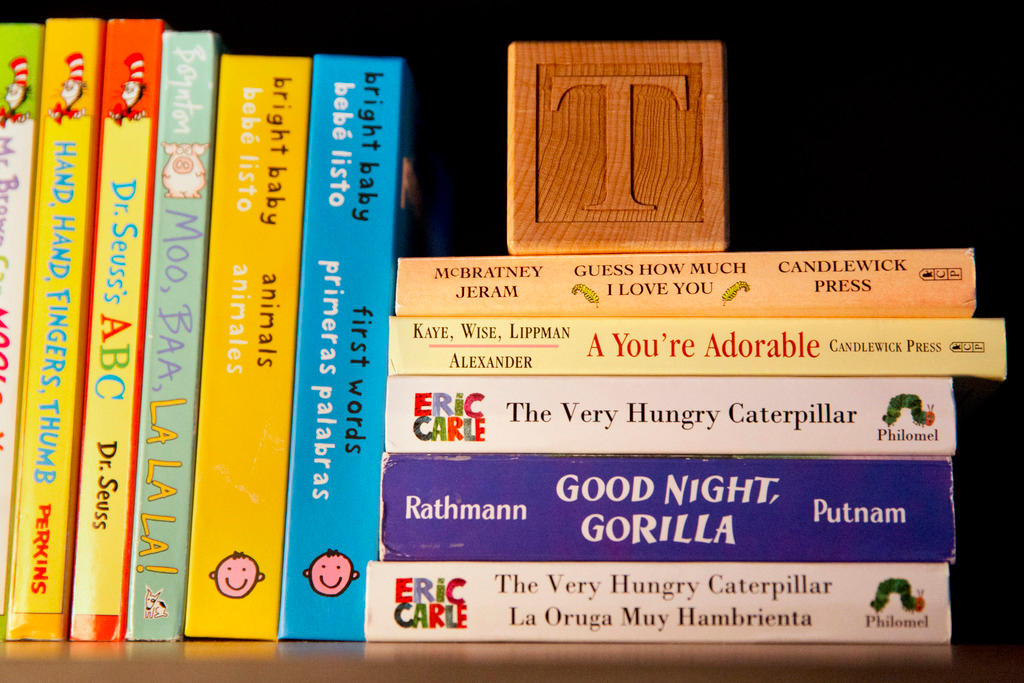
x=224, y=661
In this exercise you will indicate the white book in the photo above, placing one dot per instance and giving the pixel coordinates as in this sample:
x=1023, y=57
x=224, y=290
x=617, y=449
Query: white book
x=660, y=415
x=658, y=602
x=21, y=62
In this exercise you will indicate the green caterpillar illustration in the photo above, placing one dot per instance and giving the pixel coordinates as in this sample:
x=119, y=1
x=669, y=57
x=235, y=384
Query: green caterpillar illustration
x=902, y=588
x=730, y=294
x=898, y=403
x=588, y=294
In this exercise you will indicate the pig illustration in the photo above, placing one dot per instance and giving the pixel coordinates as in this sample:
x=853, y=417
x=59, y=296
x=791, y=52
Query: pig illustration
x=184, y=176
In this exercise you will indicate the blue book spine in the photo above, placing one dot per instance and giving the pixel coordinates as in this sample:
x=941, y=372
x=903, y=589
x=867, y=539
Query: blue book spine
x=356, y=226
x=666, y=509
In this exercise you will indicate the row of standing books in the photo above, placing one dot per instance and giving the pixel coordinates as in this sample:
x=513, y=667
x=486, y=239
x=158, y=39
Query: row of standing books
x=152, y=271
x=207, y=347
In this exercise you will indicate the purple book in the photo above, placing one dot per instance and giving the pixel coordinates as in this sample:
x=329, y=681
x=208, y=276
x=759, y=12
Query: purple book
x=565, y=508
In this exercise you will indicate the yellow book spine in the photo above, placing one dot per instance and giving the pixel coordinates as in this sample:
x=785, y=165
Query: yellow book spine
x=248, y=348
x=898, y=283
x=56, y=318
x=935, y=347
x=117, y=326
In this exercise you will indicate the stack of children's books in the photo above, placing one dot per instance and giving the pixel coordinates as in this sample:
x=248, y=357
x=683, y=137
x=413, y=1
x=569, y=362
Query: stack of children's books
x=648, y=445
x=622, y=432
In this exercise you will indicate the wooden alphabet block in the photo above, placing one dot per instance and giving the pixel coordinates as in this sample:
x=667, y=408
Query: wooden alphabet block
x=616, y=147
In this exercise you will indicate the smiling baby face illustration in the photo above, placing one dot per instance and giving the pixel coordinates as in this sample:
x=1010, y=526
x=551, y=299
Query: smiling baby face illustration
x=236, y=575
x=330, y=573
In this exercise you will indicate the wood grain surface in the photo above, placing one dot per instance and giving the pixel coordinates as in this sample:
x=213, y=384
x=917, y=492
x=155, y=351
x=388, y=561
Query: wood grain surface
x=616, y=147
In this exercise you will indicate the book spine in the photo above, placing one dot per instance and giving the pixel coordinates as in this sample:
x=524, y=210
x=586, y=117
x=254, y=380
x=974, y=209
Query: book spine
x=235, y=553
x=56, y=322
x=117, y=328
x=699, y=415
x=935, y=347
x=847, y=284
x=658, y=602
x=21, y=59
x=170, y=376
x=658, y=509
x=355, y=226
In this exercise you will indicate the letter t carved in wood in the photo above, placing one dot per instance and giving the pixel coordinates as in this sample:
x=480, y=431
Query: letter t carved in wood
x=618, y=134
x=616, y=147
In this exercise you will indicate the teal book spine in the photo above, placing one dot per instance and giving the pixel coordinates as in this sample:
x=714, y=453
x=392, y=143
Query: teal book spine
x=177, y=287
x=357, y=224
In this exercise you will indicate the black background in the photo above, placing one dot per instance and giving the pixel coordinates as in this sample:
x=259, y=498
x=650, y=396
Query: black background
x=848, y=127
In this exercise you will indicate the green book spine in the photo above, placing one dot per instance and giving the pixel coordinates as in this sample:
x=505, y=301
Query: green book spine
x=177, y=285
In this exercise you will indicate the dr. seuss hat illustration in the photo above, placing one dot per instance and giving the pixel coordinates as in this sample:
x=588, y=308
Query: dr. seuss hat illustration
x=76, y=66
x=20, y=67
x=136, y=67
